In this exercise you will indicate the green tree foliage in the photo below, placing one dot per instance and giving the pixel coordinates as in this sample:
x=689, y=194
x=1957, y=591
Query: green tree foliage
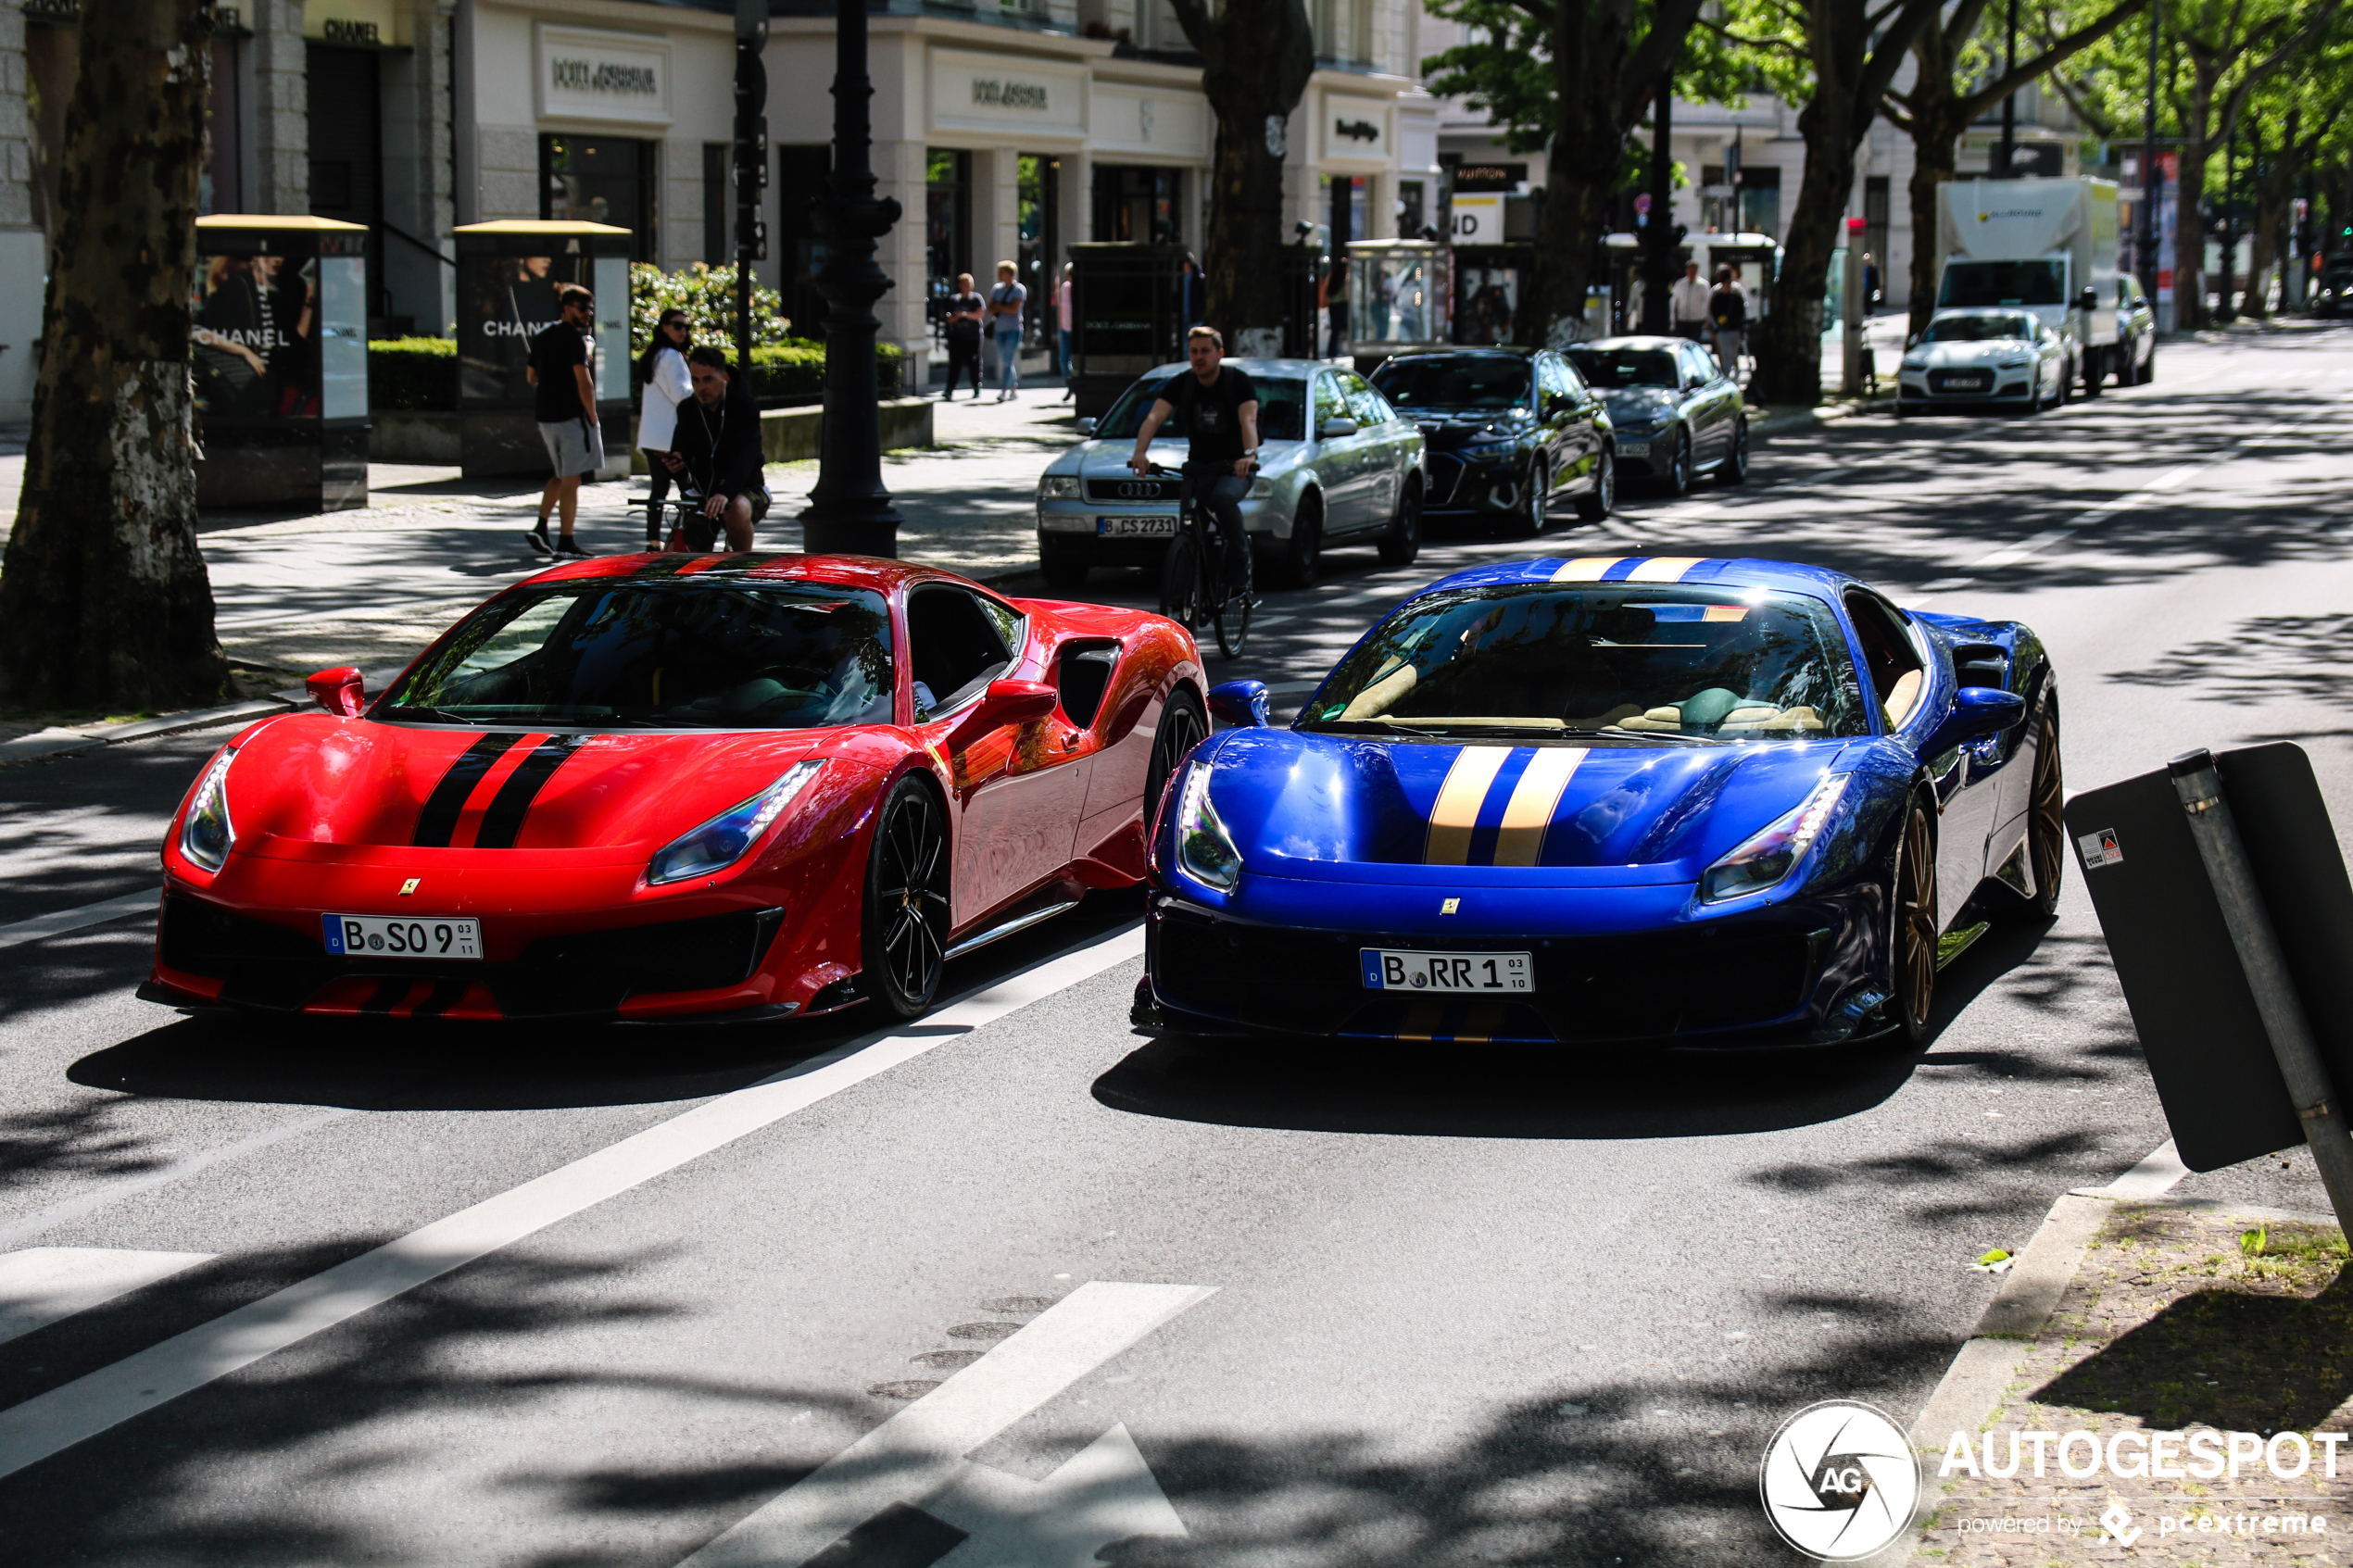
x=707, y=296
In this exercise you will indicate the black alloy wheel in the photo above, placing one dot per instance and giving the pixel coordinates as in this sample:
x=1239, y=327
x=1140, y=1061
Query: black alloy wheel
x=2045, y=821
x=905, y=940
x=1912, y=936
x=1538, y=500
x=1602, y=499
x=1733, y=469
x=1403, y=540
x=1678, y=477
x=1304, y=553
x=1182, y=727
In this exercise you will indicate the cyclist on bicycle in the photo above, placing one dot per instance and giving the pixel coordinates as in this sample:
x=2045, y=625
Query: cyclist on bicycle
x=715, y=451
x=1220, y=405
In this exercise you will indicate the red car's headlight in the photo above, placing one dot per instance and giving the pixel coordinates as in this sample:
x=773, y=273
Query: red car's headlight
x=207, y=833
x=728, y=836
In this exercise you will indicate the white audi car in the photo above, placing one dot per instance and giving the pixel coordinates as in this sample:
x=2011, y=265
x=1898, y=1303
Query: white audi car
x=1989, y=354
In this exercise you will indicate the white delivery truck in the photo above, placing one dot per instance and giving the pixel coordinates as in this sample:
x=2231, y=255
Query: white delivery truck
x=2048, y=245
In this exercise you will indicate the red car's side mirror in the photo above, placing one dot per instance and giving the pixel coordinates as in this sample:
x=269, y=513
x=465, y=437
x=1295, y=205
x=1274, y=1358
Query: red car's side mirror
x=340, y=691
x=1016, y=702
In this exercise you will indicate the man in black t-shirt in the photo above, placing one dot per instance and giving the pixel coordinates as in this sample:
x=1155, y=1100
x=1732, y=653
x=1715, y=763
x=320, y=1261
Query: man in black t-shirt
x=1220, y=407
x=966, y=311
x=564, y=398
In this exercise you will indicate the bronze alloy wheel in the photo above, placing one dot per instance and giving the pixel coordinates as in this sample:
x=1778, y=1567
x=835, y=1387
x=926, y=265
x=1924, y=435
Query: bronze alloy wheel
x=906, y=909
x=1915, y=925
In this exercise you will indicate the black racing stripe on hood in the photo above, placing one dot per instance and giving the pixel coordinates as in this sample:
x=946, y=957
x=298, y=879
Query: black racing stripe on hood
x=664, y=566
x=502, y=822
x=437, y=819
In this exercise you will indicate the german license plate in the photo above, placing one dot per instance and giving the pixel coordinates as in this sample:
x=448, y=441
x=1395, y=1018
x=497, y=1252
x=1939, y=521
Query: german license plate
x=1633, y=448
x=1389, y=969
x=1967, y=383
x=422, y=937
x=1157, y=525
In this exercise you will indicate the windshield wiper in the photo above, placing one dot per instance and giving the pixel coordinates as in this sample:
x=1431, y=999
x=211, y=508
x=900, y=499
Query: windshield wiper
x=443, y=715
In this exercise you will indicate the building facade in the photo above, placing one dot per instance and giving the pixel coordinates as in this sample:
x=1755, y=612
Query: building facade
x=1007, y=129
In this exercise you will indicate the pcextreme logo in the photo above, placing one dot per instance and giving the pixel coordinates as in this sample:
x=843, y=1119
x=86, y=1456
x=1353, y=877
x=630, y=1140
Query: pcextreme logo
x=1839, y=1481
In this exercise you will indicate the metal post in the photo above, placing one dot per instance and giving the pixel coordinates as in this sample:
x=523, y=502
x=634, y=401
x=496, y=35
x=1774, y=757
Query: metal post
x=2153, y=189
x=2009, y=103
x=850, y=510
x=1852, y=304
x=2227, y=868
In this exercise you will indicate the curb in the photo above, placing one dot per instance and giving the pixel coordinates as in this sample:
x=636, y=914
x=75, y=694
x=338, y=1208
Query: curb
x=1980, y=1379
x=61, y=742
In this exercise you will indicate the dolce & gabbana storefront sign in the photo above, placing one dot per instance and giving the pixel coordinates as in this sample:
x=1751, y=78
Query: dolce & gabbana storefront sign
x=586, y=74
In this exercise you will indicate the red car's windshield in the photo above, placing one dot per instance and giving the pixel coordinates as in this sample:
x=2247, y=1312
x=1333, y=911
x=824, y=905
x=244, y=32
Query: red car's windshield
x=666, y=654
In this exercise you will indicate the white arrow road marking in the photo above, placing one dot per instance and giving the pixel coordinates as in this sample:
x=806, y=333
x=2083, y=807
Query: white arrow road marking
x=42, y=1284
x=1105, y=1493
x=65, y=1416
x=919, y=1453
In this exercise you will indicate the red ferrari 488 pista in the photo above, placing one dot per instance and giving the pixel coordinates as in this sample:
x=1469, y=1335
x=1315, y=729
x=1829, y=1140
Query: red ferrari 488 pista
x=654, y=787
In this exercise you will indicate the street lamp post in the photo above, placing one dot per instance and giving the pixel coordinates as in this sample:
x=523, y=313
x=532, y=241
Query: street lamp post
x=850, y=510
x=750, y=153
x=1658, y=228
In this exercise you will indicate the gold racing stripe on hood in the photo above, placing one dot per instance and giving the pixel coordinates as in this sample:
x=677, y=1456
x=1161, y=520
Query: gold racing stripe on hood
x=1587, y=568
x=1664, y=569
x=1456, y=812
x=1521, y=843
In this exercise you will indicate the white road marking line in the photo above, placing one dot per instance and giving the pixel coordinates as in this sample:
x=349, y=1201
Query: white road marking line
x=43, y=1284
x=2152, y=1177
x=56, y=925
x=1104, y=1493
x=89, y=1405
x=123, y=1186
x=920, y=1452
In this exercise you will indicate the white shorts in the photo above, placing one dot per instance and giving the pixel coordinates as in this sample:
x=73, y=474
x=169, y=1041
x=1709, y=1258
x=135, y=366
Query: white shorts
x=574, y=446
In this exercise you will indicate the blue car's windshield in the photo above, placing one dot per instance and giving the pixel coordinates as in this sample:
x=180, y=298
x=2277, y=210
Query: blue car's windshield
x=1624, y=660
x=1279, y=402
x=662, y=653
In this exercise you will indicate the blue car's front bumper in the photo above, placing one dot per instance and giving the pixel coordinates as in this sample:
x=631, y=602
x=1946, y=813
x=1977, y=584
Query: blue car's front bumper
x=1800, y=972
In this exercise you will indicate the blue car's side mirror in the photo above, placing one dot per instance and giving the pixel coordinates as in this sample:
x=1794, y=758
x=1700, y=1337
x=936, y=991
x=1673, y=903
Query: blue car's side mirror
x=1977, y=712
x=1242, y=704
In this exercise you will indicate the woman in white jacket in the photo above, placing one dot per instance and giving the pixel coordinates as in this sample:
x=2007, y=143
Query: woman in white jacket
x=663, y=368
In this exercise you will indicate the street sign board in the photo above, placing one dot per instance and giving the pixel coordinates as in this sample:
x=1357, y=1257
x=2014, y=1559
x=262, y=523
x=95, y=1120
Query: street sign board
x=2203, y=1040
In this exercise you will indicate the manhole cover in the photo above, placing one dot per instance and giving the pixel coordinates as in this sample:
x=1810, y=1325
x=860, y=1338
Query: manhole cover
x=948, y=1360
x=1018, y=1304
x=908, y=1388
x=984, y=1331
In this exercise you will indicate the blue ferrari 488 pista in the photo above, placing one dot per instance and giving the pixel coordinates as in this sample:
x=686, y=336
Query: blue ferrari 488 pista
x=1613, y=800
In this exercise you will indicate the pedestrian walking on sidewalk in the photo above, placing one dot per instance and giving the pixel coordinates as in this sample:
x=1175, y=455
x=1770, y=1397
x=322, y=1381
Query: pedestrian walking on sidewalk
x=1063, y=319
x=965, y=312
x=1728, y=313
x=1005, y=302
x=662, y=368
x=564, y=399
x=1687, y=305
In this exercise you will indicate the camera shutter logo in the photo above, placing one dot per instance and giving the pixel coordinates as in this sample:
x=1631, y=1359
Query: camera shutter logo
x=1839, y=1481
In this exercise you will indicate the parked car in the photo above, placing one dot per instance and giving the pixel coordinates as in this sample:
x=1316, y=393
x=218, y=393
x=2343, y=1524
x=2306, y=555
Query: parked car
x=2332, y=291
x=1510, y=431
x=1677, y=414
x=1353, y=476
x=2136, y=353
x=1984, y=356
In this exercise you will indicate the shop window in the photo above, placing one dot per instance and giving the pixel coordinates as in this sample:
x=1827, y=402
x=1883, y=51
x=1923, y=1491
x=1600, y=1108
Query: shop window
x=1133, y=202
x=800, y=179
x=718, y=243
x=948, y=233
x=1760, y=210
x=1410, y=209
x=602, y=180
x=1040, y=241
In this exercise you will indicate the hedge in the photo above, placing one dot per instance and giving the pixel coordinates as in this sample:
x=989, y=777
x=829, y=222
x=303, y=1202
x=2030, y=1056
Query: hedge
x=421, y=372
x=412, y=373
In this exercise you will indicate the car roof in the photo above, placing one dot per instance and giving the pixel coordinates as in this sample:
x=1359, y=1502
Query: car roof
x=756, y=567
x=1984, y=310
x=1709, y=571
x=1632, y=341
x=1252, y=365
x=1467, y=351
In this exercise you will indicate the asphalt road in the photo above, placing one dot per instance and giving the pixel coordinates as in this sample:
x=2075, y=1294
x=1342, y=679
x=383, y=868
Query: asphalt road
x=552, y=1296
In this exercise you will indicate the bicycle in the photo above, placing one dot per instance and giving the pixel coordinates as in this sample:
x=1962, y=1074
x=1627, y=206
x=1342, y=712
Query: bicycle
x=1187, y=595
x=685, y=528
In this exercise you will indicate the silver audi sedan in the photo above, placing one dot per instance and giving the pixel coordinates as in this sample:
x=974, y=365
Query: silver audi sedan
x=1337, y=466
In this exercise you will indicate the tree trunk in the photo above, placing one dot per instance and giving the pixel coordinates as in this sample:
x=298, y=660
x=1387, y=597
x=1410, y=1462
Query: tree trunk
x=2274, y=188
x=2189, y=218
x=1257, y=55
x=1789, y=346
x=1589, y=46
x=104, y=602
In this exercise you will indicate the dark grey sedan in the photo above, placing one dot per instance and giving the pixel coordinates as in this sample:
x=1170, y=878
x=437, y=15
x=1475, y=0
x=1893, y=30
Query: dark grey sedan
x=1677, y=415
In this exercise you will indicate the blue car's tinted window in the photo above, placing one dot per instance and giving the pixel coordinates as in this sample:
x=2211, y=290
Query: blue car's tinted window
x=1625, y=367
x=687, y=655
x=1279, y=410
x=1623, y=659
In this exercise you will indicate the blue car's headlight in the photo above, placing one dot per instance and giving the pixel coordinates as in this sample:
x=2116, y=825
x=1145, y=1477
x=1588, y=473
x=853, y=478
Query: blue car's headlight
x=1203, y=847
x=206, y=835
x=728, y=836
x=1768, y=858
